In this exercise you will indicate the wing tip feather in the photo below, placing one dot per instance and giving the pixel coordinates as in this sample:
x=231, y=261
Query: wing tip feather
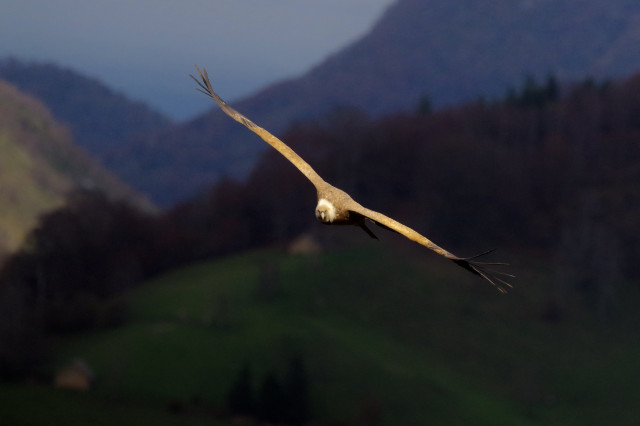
x=483, y=270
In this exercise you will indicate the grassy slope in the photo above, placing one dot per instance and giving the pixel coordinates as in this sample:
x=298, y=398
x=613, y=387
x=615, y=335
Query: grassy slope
x=377, y=331
x=28, y=186
x=23, y=194
x=30, y=405
x=39, y=163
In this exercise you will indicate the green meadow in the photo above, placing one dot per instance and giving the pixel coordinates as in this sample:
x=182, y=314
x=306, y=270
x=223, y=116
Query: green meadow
x=386, y=337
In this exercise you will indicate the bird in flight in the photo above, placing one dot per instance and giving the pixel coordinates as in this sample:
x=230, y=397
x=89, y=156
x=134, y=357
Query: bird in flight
x=336, y=207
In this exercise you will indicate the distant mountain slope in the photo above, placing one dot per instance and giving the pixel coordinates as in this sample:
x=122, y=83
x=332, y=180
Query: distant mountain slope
x=98, y=117
x=39, y=164
x=458, y=51
x=448, y=51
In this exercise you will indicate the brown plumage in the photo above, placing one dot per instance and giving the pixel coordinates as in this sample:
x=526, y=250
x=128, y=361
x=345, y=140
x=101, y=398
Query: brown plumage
x=336, y=207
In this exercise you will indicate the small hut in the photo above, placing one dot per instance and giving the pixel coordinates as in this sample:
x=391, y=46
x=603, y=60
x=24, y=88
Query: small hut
x=305, y=244
x=76, y=375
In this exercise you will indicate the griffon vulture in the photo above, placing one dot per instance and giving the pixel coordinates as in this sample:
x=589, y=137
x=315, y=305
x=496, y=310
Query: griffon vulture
x=336, y=207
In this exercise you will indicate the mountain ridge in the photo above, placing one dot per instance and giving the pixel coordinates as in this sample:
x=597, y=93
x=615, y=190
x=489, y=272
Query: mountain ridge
x=98, y=117
x=435, y=51
x=446, y=52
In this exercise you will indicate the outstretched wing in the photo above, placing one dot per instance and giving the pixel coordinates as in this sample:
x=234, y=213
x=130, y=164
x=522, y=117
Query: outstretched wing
x=295, y=159
x=472, y=264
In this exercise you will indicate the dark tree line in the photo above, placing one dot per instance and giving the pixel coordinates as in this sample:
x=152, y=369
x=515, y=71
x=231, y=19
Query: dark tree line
x=78, y=258
x=278, y=399
x=551, y=169
x=555, y=173
x=512, y=172
x=533, y=94
x=70, y=274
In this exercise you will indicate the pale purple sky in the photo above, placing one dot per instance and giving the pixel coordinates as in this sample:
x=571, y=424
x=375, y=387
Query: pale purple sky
x=147, y=48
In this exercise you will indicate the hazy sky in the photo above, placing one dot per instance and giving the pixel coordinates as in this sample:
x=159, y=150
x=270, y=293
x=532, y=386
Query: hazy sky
x=147, y=48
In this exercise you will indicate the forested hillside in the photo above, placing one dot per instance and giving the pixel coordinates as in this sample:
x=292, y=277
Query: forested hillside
x=39, y=165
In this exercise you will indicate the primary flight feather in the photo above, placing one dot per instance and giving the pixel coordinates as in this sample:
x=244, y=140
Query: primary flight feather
x=336, y=207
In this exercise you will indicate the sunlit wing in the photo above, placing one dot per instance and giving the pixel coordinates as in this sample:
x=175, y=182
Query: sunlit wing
x=472, y=264
x=295, y=159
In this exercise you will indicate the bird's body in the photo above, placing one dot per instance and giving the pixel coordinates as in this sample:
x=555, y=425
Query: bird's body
x=337, y=204
x=336, y=207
